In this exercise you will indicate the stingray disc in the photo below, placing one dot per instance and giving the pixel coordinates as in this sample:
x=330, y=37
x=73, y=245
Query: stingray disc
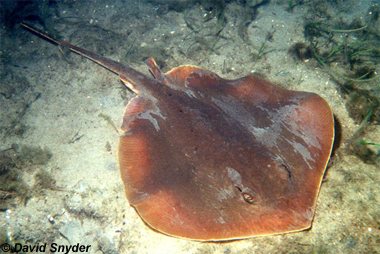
x=211, y=159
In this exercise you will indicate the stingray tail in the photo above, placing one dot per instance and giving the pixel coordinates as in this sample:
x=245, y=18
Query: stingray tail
x=134, y=80
x=112, y=65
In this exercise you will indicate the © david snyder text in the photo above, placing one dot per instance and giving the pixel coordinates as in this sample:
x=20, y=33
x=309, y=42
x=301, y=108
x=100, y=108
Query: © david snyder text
x=41, y=248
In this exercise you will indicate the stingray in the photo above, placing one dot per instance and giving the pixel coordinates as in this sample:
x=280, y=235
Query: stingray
x=211, y=159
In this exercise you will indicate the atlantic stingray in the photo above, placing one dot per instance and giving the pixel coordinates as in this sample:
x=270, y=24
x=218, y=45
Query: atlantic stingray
x=211, y=159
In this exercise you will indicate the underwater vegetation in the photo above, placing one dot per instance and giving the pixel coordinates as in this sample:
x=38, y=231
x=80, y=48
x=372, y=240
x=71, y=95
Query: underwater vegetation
x=350, y=53
x=25, y=173
x=15, y=163
x=15, y=12
x=207, y=20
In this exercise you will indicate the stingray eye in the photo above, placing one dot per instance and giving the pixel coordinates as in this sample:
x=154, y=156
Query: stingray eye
x=248, y=198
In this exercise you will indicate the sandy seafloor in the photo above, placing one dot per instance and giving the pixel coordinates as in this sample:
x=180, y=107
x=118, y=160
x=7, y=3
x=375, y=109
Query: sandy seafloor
x=56, y=101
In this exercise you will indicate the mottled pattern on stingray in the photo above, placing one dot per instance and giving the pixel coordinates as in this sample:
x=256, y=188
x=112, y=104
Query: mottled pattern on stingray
x=212, y=159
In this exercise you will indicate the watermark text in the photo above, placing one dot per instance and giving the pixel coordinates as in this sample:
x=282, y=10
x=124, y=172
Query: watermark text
x=51, y=248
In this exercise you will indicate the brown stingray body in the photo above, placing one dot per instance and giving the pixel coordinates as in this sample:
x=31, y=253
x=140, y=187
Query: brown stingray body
x=211, y=159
